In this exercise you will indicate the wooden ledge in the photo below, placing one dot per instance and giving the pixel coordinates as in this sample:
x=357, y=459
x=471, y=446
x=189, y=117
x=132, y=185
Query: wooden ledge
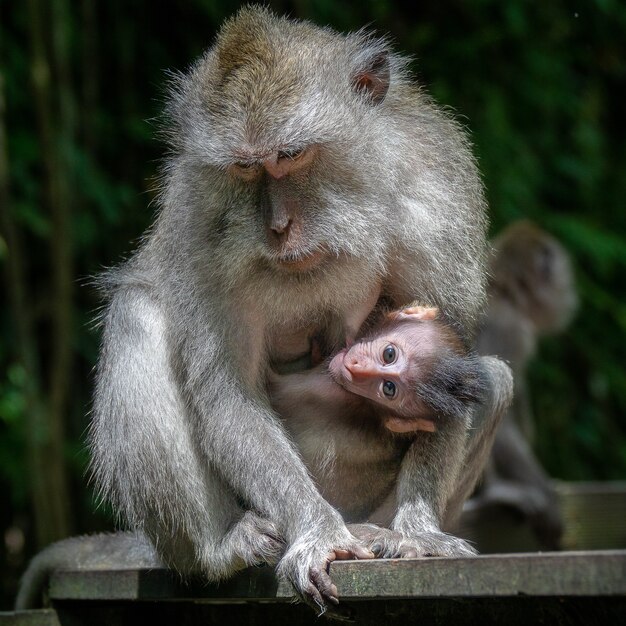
x=559, y=574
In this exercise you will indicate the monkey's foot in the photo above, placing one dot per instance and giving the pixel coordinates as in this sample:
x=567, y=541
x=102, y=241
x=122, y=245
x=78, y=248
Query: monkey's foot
x=306, y=564
x=392, y=544
x=377, y=538
x=258, y=540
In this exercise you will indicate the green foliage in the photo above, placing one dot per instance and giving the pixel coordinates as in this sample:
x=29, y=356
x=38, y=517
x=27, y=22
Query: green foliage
x=539, y=85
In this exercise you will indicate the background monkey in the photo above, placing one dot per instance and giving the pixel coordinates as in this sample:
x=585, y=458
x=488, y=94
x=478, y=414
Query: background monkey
x=286, y=140
x=531, y=294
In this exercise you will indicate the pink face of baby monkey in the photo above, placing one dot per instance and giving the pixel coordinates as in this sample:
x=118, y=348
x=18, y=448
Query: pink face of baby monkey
x=384, y=369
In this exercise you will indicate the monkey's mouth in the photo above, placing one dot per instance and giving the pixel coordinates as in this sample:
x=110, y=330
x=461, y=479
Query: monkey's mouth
x=300, y=262
x=338, y=371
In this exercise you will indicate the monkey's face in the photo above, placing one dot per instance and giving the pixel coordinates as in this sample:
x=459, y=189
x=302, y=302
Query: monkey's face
x=294, y=132
x=309, y=205
x=382, y=370
x=534, y=271
x=280, y=186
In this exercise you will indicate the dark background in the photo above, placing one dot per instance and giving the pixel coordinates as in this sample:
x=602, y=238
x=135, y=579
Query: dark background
x=540, y=86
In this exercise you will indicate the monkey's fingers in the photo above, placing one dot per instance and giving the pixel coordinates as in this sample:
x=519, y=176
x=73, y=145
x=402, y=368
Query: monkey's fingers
x=314, y=598
x=331, y=611
x=355, y=552
x=323, y=587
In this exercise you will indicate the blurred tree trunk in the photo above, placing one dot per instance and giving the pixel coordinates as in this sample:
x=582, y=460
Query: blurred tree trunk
x=50, y=488
x=61, y=249
x=25, y=346
x=90, y=76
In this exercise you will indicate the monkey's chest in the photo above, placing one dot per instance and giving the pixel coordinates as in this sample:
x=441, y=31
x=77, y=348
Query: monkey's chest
x=290, y=349
x=297, y=349
x=357, y=489
x=354, y=467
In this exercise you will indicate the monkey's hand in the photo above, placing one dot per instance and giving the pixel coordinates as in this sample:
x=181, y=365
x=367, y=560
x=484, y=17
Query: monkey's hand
x=257, y=539
x=307, y=561
x=392, y=544
x=402, y=425
x=377, y=538
x=417, y=312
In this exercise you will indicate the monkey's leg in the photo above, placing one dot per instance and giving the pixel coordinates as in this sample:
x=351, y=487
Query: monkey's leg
x=146, y=459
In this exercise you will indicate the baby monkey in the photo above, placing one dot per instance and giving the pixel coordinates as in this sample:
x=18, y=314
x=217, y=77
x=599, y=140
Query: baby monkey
x=409, y=370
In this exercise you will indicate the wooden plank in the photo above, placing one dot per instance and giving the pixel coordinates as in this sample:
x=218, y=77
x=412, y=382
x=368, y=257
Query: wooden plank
x=594, y=518
x=551, y=574
x=41, y=617
x=162, y=584
x=594, y=515
x=517, y=611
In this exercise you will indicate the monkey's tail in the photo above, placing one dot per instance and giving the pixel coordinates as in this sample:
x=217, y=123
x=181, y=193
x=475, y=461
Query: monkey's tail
x=103, y=551
x=35, y=579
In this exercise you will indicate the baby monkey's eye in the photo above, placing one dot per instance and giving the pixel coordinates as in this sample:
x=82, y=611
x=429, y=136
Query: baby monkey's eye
x=292, y=155
x=389, y=355
x=389, y=389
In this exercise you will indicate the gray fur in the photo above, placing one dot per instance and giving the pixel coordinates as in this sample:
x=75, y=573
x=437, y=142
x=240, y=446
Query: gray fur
x=184, y=442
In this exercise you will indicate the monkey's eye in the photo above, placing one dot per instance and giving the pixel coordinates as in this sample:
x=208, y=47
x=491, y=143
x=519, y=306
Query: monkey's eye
x=292, y=155
x=246, y=170
x=389, y=355
x=389, y=389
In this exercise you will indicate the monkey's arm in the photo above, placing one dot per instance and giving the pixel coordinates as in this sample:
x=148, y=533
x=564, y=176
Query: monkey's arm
x=440, y=470
x=178, y=443
x=244, y=438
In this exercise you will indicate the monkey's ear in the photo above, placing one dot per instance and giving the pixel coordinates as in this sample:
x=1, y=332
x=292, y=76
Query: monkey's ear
x=373, y=78
x=417, y=312
x=403, y=425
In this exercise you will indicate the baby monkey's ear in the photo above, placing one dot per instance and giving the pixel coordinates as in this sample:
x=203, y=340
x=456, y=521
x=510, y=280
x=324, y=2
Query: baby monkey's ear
x=403, y=425
x=417, y=312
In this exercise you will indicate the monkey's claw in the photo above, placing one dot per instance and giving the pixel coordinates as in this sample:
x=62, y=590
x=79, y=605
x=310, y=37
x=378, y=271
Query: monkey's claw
x=307, y=562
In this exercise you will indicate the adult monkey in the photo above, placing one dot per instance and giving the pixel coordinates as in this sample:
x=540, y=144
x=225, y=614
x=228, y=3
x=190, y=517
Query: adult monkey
x=308, y=174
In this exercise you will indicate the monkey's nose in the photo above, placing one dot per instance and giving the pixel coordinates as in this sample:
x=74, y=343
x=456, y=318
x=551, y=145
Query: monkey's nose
x=360, y=368
x=276, y=168
x=282, y=228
